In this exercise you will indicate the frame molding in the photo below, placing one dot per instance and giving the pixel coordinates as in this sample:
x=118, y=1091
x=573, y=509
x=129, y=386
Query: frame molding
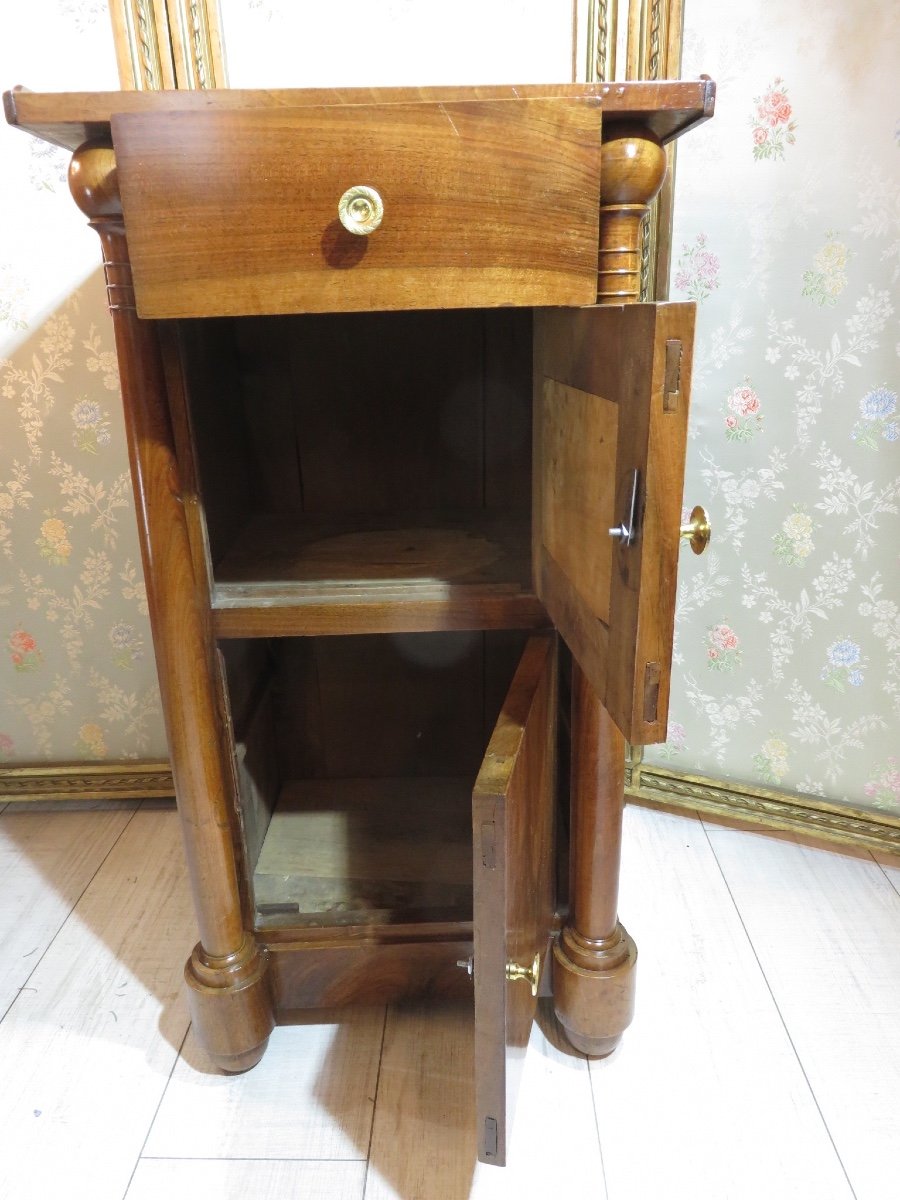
x=87, y=781
x=168, y=44
x=788, y=812
x=653, y=51
x=602, y=32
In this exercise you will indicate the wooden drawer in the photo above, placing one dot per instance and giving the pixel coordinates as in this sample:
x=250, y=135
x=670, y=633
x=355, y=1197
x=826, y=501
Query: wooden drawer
x=486, y=203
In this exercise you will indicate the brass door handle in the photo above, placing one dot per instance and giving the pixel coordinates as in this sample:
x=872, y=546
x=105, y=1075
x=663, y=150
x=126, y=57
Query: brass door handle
x=530, y=974
x=360, y=210
x=698, y=530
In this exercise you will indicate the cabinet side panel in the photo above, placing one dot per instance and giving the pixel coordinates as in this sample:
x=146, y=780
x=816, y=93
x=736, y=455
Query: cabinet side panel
x=218, y=432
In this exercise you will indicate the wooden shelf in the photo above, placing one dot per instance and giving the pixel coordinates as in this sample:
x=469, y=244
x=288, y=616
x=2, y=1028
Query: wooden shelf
x=289, y=576
x=351, y=852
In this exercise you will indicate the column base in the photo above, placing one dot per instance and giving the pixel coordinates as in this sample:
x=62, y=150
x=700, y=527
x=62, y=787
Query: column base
x=593, y=989
x=231, y=1005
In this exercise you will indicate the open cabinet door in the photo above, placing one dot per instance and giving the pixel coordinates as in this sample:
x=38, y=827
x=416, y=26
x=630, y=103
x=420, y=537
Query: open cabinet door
x=514, y=877
x=612, y=385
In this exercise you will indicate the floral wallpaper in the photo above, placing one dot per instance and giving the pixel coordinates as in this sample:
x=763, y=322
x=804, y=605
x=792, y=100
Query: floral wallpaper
x=77, y=680
x=787, y=234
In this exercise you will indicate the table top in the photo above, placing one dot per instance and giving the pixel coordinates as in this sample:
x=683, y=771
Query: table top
x=68, y=119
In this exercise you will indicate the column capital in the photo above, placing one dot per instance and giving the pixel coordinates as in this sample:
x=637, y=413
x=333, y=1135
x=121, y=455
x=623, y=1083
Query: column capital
x=93, y=181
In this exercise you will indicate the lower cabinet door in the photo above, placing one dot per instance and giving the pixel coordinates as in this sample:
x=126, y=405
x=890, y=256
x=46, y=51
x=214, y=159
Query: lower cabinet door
x=514, y=877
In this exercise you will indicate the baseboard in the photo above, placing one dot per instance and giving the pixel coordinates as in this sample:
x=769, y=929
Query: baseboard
x=807, y=815
x=810, y=816
x=87, y=781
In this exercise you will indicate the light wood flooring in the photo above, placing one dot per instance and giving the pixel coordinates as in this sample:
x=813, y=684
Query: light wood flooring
x=764, y=1061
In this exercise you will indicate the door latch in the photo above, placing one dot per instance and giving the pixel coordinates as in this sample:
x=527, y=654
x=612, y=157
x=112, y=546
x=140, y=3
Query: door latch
x=626, y=533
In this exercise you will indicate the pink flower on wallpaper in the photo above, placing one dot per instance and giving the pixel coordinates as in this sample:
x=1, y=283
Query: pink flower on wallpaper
x=7, y=746
x=698, y=269
x=742, y=416
x=723, y=637
x=884, y=786
x=23, y=651
x=722, y=648
x=773, y=128
x=743, y=401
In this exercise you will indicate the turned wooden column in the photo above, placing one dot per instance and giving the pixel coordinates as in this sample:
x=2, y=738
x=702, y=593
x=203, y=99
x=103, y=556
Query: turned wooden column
x=594, y=959
x=632, y=170
x=231, y=1005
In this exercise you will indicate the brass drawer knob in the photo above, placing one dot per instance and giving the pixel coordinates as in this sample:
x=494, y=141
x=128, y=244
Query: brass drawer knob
x=698, y=530
x=360, y=210
x=530, y=974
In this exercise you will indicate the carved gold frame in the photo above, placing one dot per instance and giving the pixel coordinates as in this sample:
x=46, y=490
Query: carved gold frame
x=168, y=44
x=652, y=50
x=178, y=43
x=87, y=781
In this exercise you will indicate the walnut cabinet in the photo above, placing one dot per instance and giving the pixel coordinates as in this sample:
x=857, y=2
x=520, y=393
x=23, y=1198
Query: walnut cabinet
x=408, y=458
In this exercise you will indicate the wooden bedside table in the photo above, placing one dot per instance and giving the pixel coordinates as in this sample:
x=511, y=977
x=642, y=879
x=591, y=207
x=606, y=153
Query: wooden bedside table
x=408, y=467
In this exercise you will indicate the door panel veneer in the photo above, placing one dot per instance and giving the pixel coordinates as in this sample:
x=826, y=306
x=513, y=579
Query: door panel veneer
x=513, y=866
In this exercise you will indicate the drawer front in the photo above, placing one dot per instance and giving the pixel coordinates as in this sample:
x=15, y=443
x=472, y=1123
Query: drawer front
x=485, y=203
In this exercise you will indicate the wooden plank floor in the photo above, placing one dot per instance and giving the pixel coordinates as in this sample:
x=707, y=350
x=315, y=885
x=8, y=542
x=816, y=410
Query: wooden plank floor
x=764, y=1061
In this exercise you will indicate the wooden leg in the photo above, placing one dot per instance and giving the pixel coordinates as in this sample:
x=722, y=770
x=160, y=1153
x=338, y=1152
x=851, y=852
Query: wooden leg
x=594, y=959
x=228, y=988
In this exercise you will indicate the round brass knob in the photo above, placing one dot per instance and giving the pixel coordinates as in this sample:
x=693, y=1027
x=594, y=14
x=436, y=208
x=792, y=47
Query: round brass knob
x=360, y=210
x=531, y=974
x=698, y=530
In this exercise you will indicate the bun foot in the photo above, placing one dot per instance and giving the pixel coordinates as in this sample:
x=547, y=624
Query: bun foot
x=237, y=1064
x=593, y=988
x=593, y=1047
x=231, y=1005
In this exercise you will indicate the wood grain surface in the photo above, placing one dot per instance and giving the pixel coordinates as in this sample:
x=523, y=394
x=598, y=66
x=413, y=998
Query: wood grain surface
x=486, y=203
x=93, y=1034
x=420, y=963
x=578, y=464
x=617, y=356
x=667, y=107
x=69, y=848
x=376, y=574
x=313, y=1098
x=514, y=873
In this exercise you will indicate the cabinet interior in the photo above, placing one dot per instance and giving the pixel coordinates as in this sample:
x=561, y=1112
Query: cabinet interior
x=342, y=462
x=349, y=459
x=356, y=758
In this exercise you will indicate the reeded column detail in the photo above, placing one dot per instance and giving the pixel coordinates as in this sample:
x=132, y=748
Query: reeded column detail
x=632, y=170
